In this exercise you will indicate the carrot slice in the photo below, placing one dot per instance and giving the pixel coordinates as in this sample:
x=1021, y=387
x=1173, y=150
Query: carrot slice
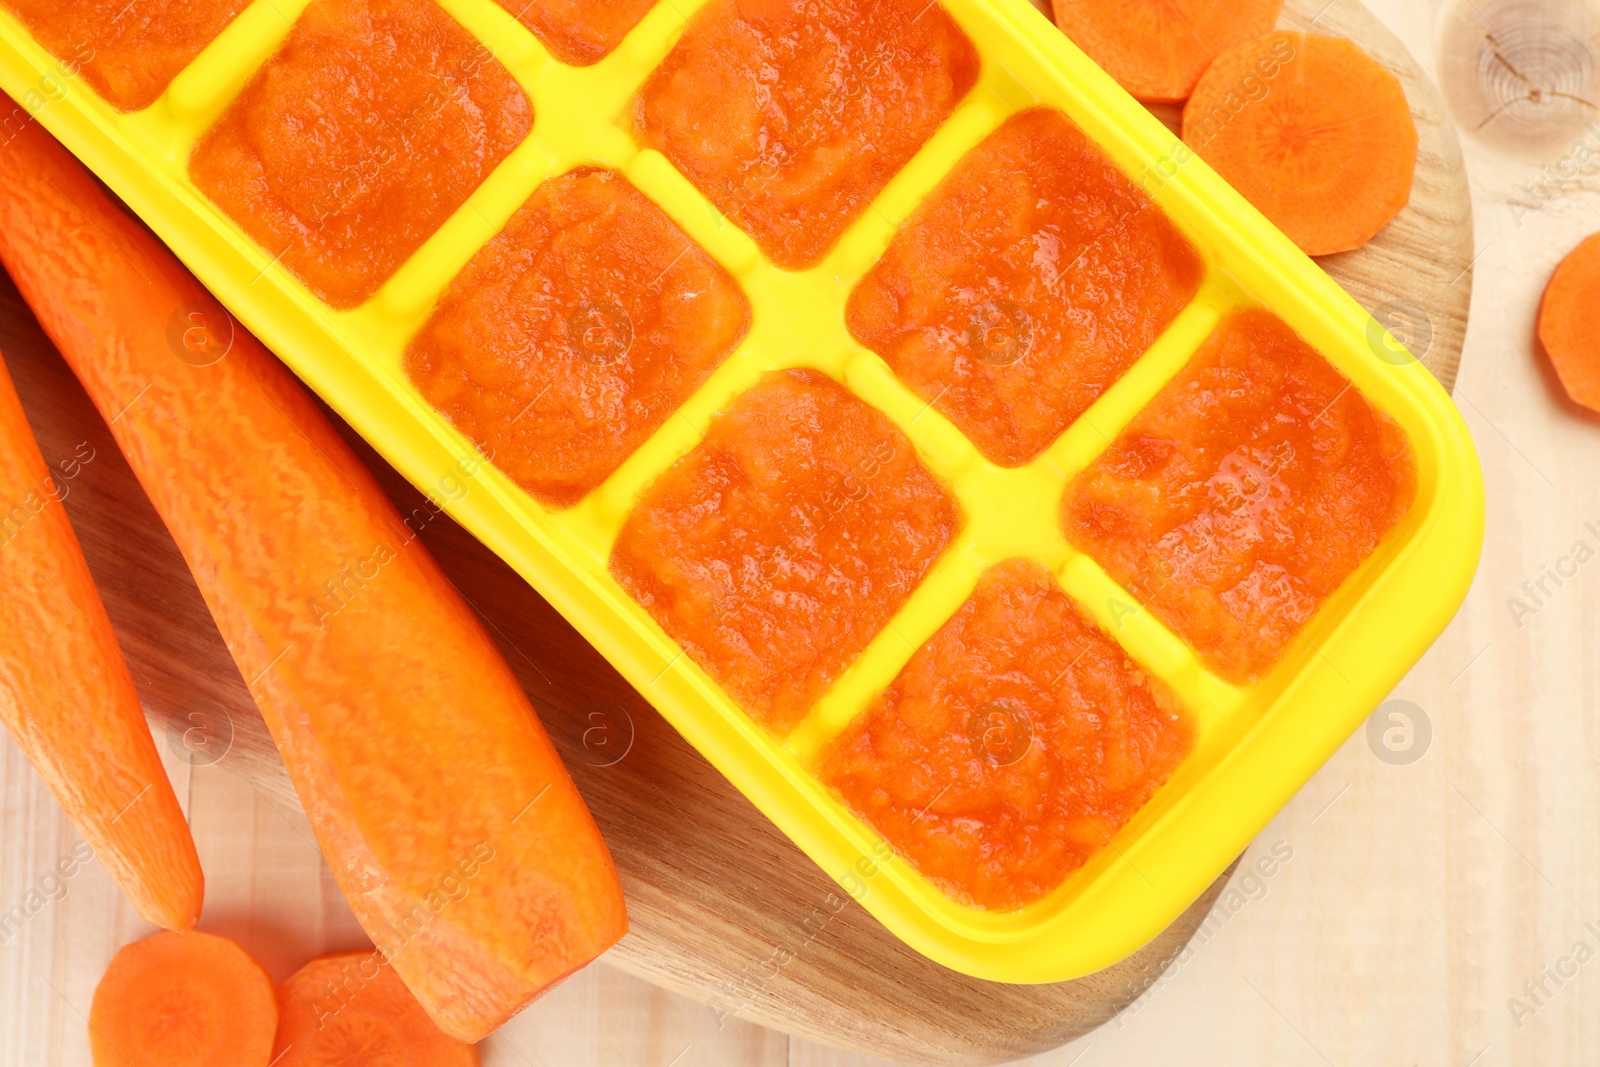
x=413, y=748
x=1158, y=49
x=1313, y=132
x=1569, y=323
x=67, y=698
x=182, y=998
x=352, y=1008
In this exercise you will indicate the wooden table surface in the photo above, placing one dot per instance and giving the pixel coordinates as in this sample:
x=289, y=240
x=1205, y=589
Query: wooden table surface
x=1410, y=904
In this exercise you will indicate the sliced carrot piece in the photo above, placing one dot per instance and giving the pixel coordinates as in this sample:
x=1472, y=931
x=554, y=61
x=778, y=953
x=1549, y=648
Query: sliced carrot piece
x=67, y=698
x=1158, y=49
x=417, y=755
x=1569, y=323
x=189, y=999
x=353, y=1009
x=1313, y=132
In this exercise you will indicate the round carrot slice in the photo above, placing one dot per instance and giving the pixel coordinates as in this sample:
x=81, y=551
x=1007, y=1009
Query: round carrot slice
x=1313, y=132
x=182, y=1000
x=1158, y=49
x=1569, y=323
x=353, y=1009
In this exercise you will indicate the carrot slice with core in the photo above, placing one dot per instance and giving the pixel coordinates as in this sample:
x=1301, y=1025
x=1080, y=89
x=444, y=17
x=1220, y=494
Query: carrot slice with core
x=1313, y=132
x=67, y=697
x=353, y=1009
x=413, y=748
x=1569, y=323
x=1158, y=49
x=183, y=998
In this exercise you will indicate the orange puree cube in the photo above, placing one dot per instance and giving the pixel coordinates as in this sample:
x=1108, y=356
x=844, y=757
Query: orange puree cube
x=1251, y=487
x=574, y=334
x=791, y=115
x=777, y=549
x=369, y=128
x=127, y=50
x=1030, y=280
x=1012, y=746
x=579, y=32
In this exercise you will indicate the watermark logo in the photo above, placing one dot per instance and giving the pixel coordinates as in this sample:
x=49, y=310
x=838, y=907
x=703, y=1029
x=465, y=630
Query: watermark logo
x=1539, y=590
x=51, y=87
x=1249, y=885
x=200, y=332
x=1252, y=88
x=353, y=578
x=1154, y=178
x=600, y=332
x=999, y=333
x=49, y=888
x=15, y=518
x=1400, y=332
x=451, y=887
x=1539, y=991
x=1000, y=732
x=208, y=736
x=607, y=735
x=1399, y=733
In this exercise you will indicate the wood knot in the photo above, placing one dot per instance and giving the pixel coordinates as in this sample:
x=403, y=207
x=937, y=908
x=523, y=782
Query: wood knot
x=1520, y=75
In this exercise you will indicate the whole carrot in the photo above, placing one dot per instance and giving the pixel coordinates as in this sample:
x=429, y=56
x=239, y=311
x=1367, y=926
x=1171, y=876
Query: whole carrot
x=444, y=811
x=67, y=698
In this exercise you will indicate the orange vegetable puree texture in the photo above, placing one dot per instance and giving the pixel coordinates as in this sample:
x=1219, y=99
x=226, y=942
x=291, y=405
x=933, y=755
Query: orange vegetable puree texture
x=369, y=128
x=1244, y=494
x=579, y=32
x=574, y=334
x=779, y=547
x=1012, y=746
x=1031, y=279
x=791, y=115
x=127, y=50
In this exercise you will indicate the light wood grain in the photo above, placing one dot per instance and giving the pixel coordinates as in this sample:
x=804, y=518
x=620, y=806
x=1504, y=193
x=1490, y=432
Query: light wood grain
x=713, y=888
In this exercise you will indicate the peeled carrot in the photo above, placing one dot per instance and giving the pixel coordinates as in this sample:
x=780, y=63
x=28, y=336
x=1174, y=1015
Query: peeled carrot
x=182, y=998
x=1313, y=132
x=1157, y=51
x=443, y=809
x=352, y=1008
x=1569, y=323
x=67, y=698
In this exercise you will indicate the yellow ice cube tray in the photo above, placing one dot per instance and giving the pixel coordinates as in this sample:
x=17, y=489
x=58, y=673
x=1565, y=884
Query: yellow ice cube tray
x=1254, y=747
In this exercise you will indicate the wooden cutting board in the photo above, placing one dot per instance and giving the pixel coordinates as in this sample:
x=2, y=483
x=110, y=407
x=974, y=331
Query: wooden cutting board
x=723, y=907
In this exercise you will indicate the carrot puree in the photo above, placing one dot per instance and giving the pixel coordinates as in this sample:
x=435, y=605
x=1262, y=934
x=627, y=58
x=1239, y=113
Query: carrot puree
x=574, y=334
x=579, y=32
x=1031, y=279
x=1244, y=494
x=369, y=128
x=127, y=50
x=778, y=548
x=791, y=115
x=1012, y=746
